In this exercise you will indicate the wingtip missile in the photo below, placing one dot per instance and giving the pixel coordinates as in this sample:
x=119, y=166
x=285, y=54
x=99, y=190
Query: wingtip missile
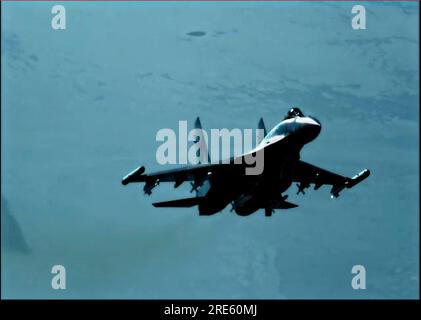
x=358, y=178
x=351, y=182
x=133, y=176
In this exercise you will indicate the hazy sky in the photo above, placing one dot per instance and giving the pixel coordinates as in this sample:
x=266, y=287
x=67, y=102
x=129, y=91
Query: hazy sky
x=81, y=108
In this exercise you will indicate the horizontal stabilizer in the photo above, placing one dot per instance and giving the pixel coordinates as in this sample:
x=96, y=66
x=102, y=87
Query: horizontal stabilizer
x=180, y=203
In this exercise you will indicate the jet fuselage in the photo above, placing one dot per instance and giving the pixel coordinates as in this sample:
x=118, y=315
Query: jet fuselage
x=281, y=148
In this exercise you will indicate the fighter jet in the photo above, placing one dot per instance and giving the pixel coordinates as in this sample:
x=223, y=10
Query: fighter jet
x=219, y=184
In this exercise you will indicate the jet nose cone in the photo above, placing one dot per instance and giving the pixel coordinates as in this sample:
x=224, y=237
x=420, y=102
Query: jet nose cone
x=315, y=125
x=310, y=128
x=314, y=121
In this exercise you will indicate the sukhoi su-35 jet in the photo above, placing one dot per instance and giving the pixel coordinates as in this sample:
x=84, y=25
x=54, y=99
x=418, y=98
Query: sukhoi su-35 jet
x=220, y=184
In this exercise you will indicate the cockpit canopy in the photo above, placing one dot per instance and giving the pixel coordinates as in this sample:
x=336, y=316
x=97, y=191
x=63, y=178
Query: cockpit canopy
x=305, y=128
x=294, y=112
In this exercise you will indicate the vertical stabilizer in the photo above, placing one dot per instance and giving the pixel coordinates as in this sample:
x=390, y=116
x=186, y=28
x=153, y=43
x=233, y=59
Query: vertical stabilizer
x=201, y=186
x=261, y=126
x=204, y=146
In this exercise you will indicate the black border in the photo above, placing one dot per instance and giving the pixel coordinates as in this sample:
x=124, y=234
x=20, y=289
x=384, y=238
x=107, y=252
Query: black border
x=266, y=308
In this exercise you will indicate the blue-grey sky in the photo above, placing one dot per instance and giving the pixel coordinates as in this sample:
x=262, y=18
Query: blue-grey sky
x=81, y=107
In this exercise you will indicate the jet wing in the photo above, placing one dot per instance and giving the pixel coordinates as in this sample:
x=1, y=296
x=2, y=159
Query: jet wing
x=195, y=173
x=188, y=173
x=306, y=174
x=231, y=169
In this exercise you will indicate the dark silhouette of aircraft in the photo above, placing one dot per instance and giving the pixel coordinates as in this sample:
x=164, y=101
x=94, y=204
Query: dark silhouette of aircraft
x=219, y=184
